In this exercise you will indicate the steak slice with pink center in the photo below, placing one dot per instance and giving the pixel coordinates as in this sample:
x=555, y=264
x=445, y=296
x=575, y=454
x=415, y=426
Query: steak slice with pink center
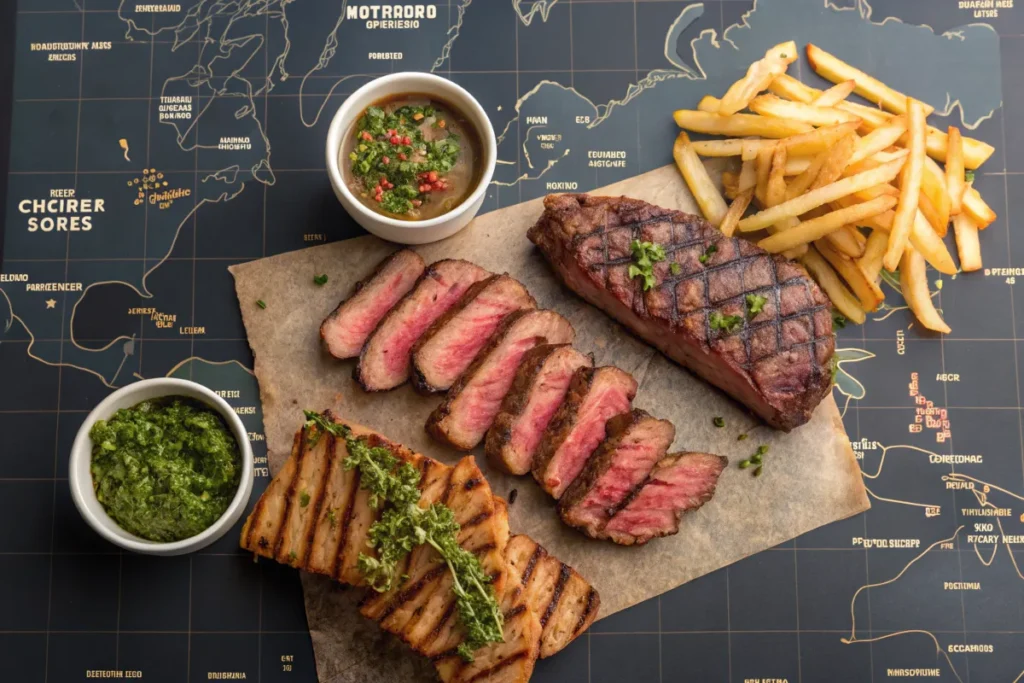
x=595, y=396
x=385, y=360
x=679, y=482
x=539, y=389
x=451, y=344
x=346, y=329
x=636, y=441
x=475, y=399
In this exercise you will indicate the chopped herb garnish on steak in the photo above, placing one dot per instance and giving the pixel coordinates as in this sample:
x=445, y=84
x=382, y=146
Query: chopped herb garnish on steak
x=706, y=256
x=742, y=437
x=320, y=280
x=675, y=268
x=719, y=422
x=261, y=303
x=725, y=323
x=757, y=472
x=755, y=304
x=645, y=255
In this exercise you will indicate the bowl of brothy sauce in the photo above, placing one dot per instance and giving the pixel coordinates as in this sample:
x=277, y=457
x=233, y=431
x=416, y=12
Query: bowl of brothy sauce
x=410, y=157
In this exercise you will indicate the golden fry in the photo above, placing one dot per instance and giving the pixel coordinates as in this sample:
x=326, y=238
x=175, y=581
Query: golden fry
x=770, y=105
x=933, y=184
x=792, y=89
x=976, y=152
x=914, y=283
x=775, y=190
x=736, y=210
x=795, y=253
x=696, y=176
x=709, y=103
x=930, y=245
x=880, y=138
x=732, y=147
x=730, y=184
x=866, y=289
x=832, y=68
x=748, y=175
x=758, y=77
x=836, y=94
x=738, y=125
x=764, y=165
x=836, y=162
x=910, y=187
x=803, y=181
x=823, y=195
x=847, y=240
x=975, y=207
x=816, y=228
x=931, y=214
x=955, y=183
x=871, y=260
x=844, y=301
x=967, y=244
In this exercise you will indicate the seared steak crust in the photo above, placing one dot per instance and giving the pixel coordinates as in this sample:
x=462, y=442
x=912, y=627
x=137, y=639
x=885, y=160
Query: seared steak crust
x=595, y=396
x=539, y=388
x=475, y=399
x=635, y=442
x=778, y=364
x=451, y=344
x=679, y=483
x=346, y=329
x=384, y=362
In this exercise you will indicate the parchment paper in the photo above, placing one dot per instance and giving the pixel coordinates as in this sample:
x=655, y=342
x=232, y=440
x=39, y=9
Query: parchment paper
x=810, y=477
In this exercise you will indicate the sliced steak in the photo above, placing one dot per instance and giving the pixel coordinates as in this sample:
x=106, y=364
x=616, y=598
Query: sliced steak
x=777, y=362
x=636, y=441
x=678, y=483
x=474, y=401
x=345, y=330
x=539, y=388
x=595, y=396
x=384, y=362
x=445, y=351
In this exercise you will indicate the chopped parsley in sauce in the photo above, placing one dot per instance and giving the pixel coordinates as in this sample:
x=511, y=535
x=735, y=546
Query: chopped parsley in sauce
x=165, y=469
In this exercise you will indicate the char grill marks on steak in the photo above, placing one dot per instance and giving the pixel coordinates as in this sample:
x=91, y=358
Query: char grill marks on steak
x=345, y=330
x=777, y=364
x=595, y=395
x=475, y=399
x=679, y=482
x=385, y=360
x=538, y=390
x=451, y=344
x=636, y=441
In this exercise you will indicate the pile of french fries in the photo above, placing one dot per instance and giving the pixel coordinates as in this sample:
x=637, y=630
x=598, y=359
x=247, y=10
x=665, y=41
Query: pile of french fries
x=845, y=188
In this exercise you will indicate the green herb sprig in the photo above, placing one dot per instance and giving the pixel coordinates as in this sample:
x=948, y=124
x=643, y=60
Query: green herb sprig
x=755, y=304
x=645, y=255
x=725, y=323
x=706, y=256
x=404, y=525
x=320, y=280
x=756, y=460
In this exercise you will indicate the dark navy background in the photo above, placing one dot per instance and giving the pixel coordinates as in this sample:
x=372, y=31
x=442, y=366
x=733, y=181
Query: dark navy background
x=71, y=603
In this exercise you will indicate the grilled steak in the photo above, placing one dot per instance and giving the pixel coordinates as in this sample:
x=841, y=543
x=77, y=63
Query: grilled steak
x=595, y=396
x=636, y=441
x=777, y=363
x=454, y=340
x=539, y=388
x=345, y=330
x=678, y=483
x=564, y=601
x=384, y=362
x=473, y=402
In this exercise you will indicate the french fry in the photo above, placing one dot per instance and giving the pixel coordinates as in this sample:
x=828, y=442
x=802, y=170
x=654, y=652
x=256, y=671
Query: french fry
x=834, y=95
x=871, y=117
x=797, y=165
x=817, y=228
x=794, y=254
x=967, y=244
x=803, y=144
x=914, y=283
x=738, y=125
x=696, y=176
x=955, y=183
x=867, y=291
x=735, y=212
x=930, y=245
x=878, y=139
x=883, y=189
x=833, y=69
x=727, y=148
x=730, y=185
x=975, y=207
x=976, y=152
x=871, y=260
x=803, y=181
x=910, y=187
x=750, y=147
x=836, y=162
x=764, y=166
x=847, y=240
x=758, y=77
x=844, y=301
x=931, y=214
x=933, y=185
x=786, y=86
x=823, y=195
x=709, y=103
x=775, y=190
x=771, y=105
x=748, y=175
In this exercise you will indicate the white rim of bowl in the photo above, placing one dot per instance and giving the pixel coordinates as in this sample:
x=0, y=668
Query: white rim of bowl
x=216, y=529
x=487, y=136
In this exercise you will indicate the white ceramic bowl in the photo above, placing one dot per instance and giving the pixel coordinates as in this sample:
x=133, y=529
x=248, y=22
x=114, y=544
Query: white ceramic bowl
x=410, y=232
x=80, y=476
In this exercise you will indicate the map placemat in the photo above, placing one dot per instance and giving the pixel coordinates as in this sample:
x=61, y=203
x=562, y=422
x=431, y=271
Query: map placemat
x=190, y=136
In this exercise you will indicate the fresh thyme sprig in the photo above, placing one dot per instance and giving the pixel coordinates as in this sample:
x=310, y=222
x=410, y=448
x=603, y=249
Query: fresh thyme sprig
x=403, y=525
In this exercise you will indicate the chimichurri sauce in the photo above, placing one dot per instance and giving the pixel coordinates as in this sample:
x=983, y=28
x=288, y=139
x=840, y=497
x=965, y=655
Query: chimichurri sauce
x=165, y=469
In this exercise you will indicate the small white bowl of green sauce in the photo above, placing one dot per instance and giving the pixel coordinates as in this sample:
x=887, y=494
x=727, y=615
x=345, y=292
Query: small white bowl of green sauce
x=161, y=467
